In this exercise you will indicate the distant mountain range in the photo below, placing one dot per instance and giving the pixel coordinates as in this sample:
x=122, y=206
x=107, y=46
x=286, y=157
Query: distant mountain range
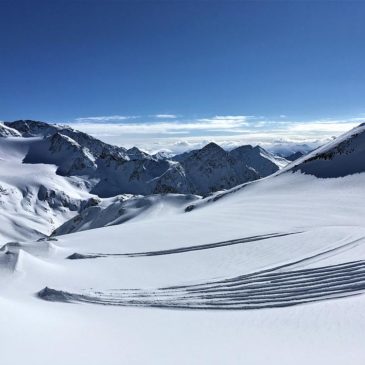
x=112, y=170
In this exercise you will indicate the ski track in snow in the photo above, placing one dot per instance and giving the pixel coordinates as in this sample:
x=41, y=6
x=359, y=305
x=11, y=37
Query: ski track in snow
x=278, y=286
x=79, y=256
x=268, y=289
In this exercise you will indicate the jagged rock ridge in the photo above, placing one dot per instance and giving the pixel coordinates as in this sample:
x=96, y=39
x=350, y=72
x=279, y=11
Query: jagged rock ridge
x=112, y=170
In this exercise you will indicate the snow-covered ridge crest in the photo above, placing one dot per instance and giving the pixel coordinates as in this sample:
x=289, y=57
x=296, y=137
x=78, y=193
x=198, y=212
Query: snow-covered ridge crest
x=343, y=156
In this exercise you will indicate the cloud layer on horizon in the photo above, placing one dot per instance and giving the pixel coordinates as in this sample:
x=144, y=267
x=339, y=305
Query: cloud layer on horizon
x=175, y=134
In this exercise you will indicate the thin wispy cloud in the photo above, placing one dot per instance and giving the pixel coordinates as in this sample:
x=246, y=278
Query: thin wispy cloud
x=105, y=119
x=165, y=116
x=225, y=121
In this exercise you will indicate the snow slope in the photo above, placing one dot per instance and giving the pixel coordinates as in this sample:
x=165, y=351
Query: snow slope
x=272, y=272
x=123, y=208
x=291, y=239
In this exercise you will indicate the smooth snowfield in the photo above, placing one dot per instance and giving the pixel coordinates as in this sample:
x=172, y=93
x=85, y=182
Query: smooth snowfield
x=291, y=245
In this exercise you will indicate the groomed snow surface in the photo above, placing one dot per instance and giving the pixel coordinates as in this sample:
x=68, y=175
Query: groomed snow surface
x=272, y=272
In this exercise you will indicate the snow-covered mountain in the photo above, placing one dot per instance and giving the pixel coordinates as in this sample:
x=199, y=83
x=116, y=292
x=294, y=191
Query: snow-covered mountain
x=92, y=169
x=241, y=156
x=49, y=173
x=343, y=156
x=212, y=168
x=112, y=170
x=265, y=270
x=163, y=155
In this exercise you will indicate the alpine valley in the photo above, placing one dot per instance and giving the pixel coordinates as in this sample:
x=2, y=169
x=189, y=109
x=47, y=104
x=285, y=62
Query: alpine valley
x=115, y=256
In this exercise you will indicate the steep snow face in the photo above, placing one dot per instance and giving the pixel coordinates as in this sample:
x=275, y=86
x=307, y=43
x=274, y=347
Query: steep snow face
x=95, y=146
x=64, y=152
x=30, y=128
x=6, y=131
x=163, y=155
x=343, y=156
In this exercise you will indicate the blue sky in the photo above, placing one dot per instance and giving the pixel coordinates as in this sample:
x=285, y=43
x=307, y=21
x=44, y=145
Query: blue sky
x=204, y=68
